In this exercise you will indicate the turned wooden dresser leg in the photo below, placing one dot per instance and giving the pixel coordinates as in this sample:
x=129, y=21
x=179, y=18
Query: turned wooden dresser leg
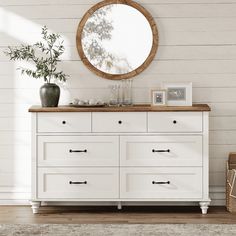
x=204, y=206
x=35, y=206
x=119, y=206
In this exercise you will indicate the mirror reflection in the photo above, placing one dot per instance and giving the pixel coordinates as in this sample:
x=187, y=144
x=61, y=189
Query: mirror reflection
x=117, y=39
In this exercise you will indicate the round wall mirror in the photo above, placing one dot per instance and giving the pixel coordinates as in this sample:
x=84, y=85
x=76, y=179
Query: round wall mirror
x=117, y=39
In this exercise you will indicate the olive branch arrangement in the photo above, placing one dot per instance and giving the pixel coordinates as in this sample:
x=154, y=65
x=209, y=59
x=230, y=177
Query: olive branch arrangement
x=44, y=55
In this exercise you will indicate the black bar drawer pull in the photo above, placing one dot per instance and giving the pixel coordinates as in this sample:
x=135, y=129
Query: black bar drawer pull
x=153, y=150
x=72, y=182
x=85, y=150
x=160, y=182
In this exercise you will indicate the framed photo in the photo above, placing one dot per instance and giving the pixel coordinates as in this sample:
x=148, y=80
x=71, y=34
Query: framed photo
x=178, y=94
x=158, y=97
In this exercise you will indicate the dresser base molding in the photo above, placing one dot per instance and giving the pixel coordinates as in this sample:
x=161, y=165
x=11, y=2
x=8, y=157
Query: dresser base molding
x=204, y=205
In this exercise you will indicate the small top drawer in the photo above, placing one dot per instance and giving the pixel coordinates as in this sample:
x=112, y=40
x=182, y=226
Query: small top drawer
x=175, y=122
x=119, y=122
x=64, y=122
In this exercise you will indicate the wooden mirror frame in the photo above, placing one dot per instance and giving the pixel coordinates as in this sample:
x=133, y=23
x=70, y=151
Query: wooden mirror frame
x=142, y=67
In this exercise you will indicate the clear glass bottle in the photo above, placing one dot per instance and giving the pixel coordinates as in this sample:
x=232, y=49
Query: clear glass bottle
x=127, y=92
x=114, y=95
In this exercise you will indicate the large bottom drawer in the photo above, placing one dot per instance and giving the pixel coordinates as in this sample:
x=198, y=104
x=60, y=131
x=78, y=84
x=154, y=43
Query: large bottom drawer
x=77, y=183
x=161, y=183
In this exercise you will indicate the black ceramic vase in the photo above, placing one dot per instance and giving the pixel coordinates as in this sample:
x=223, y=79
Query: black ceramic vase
x=49, y=95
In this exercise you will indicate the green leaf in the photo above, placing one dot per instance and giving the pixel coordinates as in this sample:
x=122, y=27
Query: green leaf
x=43, y=54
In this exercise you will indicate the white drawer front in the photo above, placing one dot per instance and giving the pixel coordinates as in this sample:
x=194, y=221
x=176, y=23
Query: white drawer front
x=175, y=121
x=78, y=151
x=161, y=183
x=64, y=122
x=161, y=150
x=119, y=122
x=78, y=183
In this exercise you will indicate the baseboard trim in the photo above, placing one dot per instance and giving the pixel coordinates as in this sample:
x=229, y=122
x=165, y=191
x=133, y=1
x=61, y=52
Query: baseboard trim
x=15, y=202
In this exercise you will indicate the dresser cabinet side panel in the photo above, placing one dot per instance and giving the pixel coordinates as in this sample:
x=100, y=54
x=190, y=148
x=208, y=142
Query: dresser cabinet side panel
x=205, y=154
x=33, y=156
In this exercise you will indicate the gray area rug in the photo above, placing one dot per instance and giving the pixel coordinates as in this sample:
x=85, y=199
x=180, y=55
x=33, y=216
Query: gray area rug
x=117, y=229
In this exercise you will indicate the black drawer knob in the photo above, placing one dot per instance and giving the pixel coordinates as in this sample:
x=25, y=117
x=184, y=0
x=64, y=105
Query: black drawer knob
x=175, y=121
x=120, y=122
x=63, y=122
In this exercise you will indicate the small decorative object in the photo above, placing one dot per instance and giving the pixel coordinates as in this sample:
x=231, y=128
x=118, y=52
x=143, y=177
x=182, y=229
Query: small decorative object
x=158, y=97
x=114, y=99
x=231, y=183
x=127, y=92
x=81, y=103
x=87, y=103
x=178, y=94
x=75, y=101
x=45, y=56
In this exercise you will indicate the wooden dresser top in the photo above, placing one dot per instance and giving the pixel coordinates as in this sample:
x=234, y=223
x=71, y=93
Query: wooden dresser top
x=134, y=108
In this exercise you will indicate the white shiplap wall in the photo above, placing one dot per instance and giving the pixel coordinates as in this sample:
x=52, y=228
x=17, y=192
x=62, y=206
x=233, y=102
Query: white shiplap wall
x=197, y=43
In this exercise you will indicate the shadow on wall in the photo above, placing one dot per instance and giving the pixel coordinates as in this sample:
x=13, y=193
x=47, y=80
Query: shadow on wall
x=17, y=93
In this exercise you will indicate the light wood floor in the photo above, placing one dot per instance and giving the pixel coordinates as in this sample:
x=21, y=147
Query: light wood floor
x=110, y=215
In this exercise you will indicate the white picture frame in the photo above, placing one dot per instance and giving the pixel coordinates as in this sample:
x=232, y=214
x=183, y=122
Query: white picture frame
x=178, y=94
x=158, y=97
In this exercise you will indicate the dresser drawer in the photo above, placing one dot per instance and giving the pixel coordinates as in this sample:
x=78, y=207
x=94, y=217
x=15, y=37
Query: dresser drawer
x=161, y=183
x=78, y=183
x=161, y=150
x=64, y=122
x=119, y=122
x=175, y=122
x=78, y=151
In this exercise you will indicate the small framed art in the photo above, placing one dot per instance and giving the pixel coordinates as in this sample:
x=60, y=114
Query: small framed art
x=158, y=97
x=178, y=94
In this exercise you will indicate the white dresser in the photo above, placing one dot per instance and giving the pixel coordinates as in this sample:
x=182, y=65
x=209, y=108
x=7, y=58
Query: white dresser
x=127, y=155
